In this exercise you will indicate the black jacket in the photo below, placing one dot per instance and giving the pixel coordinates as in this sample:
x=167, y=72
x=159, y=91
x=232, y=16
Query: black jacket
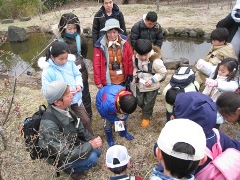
x=101, y=17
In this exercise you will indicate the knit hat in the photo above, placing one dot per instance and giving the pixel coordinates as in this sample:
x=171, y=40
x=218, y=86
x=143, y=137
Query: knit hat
x=119, y=153
x=182, y=130
x=198, y=107
x=112, y=24
x=54, y=91
x=143, y=46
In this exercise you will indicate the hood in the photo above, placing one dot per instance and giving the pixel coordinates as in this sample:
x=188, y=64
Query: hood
x=156, y=53
x=197, y=107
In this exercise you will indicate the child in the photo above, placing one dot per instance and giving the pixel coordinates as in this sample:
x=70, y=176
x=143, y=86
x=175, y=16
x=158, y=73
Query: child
x=59, y=68
x=201, y=109
x=118, y=161
x=114, y=104
x=181, y=148
x=223, y=80
x=219, y=51
x=148, y=71
x=70, y=30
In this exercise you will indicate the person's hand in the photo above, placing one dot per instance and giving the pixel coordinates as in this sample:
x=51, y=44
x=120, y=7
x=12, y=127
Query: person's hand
x=148, y=83
x=96, y=142
x=78, y=88
x=99, y=86
x=211, y=83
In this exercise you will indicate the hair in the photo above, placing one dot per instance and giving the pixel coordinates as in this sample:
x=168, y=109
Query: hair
x=231, y=64
x=220, y=34
x=172, y=94
x=178, y=167
x=57, y=48
x=128, y=103
x=117, y=170
x=228, y=103
x=151, y=16
x=68, y=18
x=143, y=46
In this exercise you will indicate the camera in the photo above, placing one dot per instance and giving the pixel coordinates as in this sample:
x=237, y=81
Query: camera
x=237, y=14
x=136, y=79
x=115, y=66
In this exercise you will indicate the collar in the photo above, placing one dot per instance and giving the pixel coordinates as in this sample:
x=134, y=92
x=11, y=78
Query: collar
x=110, y=43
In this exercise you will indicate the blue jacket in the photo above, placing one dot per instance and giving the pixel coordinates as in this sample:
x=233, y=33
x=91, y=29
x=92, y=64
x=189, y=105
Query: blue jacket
x=67, y=72
x=106, y=101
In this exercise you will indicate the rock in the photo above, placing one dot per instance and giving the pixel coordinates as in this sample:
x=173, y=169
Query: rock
x=207, y=36
x=171, y=31
x=192, y=33
x=7, y=21
x=171, y=64
x=33, y=29
x=17, y=34
x=25, y=18
x=199, y=32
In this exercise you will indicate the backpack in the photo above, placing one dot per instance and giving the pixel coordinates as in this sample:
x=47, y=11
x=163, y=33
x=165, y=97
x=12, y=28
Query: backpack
x=149, y=67
x=224, y=165
x=30, y=130
x=183, y=77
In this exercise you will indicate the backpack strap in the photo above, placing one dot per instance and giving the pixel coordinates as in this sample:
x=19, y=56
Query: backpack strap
x=49, y=116
x=149, y=67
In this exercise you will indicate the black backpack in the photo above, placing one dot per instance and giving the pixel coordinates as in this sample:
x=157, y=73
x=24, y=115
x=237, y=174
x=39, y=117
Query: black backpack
x=30, y=129
x=182, y=77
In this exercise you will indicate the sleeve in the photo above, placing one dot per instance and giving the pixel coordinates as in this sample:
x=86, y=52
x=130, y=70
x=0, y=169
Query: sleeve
x=169, y=107
x=160, y=70
x=46, y=77
x=97, y=66
x=159, y=36
x=59, y=145
x=135, y=34
x=227, y=142
x=122, y=23
x=129, y=58
x=227, y=86
x=95, y=28
x=227, y=22
x=77, y=75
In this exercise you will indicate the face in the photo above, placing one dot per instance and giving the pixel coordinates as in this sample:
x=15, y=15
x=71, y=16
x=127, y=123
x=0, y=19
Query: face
x=223, y=71
x=149, y=24
x=232, y=118
x=112, y=34
x=71, y=29
x=144, y=57
x=61, y=59
x=108, y=5
x=66, y=100
x=217, y=43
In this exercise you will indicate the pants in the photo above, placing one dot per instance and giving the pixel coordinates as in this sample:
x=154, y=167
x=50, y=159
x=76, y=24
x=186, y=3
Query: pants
x=86, y=98
x=81, y=112
x=82, y=165
x=146, y=101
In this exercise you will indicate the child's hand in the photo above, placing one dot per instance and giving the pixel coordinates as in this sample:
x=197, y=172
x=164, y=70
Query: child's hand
x=148, y=83
x=211, y=83
x=78, y=88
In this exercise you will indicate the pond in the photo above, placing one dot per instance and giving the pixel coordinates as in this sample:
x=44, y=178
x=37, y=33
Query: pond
x=27, y=53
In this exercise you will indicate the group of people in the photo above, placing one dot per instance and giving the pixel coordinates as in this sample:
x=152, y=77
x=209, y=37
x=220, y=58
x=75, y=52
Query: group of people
x=120, y=62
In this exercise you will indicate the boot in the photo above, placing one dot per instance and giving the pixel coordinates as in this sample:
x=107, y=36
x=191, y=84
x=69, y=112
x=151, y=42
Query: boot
x=109, y=135
x=126, y=134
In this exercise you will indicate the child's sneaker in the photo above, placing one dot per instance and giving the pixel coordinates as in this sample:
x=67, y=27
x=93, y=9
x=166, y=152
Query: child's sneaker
x=145, y=123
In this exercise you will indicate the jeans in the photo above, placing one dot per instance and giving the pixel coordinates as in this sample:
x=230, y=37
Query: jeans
x=82, y=165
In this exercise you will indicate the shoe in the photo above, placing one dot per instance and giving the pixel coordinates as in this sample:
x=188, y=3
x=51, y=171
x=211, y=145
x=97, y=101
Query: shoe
x=145, y=123
x=126, y=134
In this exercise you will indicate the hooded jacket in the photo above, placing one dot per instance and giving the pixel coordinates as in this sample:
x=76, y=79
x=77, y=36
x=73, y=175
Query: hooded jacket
x=201, y=109
x=101, y=60
x=158, y=69
x=101, y=17
x=141, y=31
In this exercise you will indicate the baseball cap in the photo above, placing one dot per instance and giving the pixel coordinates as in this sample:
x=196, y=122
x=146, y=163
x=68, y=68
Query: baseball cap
x=182, y=130
x=119, y=152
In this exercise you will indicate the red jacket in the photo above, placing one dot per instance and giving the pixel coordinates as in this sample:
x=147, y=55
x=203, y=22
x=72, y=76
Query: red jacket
x=99, y=60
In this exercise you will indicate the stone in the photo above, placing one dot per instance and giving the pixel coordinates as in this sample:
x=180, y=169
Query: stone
x=171, y=64
x=171, y=31
x=17, y=34
x=25, y=18
x=7, y=21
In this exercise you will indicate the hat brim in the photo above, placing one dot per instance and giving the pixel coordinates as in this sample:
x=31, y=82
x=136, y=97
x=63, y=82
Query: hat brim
x=111, y=27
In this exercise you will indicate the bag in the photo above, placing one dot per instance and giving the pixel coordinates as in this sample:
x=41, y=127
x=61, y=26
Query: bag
x=224, y=165
x=182, y=77
x=30, y=129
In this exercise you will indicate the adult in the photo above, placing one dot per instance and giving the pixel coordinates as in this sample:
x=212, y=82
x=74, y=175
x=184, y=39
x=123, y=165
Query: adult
x=147, y=28
x=107, y=11
x=232, y=23
x=112, y=57
x=74, y=146
x=70, y=30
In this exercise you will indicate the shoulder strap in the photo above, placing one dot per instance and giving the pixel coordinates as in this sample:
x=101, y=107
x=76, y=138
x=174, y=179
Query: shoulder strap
x=136, y=63
x=216, y=149
x=52, y=117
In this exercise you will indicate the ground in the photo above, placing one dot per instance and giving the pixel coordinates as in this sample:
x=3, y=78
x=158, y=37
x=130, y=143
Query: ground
x=15, y=161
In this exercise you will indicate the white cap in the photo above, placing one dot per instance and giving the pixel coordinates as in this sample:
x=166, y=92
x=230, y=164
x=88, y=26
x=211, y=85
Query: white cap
x=119, y=152
x=182, y=130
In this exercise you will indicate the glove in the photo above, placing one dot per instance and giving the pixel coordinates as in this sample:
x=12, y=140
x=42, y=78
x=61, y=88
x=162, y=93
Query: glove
x=211, y=83
x=130, y=78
